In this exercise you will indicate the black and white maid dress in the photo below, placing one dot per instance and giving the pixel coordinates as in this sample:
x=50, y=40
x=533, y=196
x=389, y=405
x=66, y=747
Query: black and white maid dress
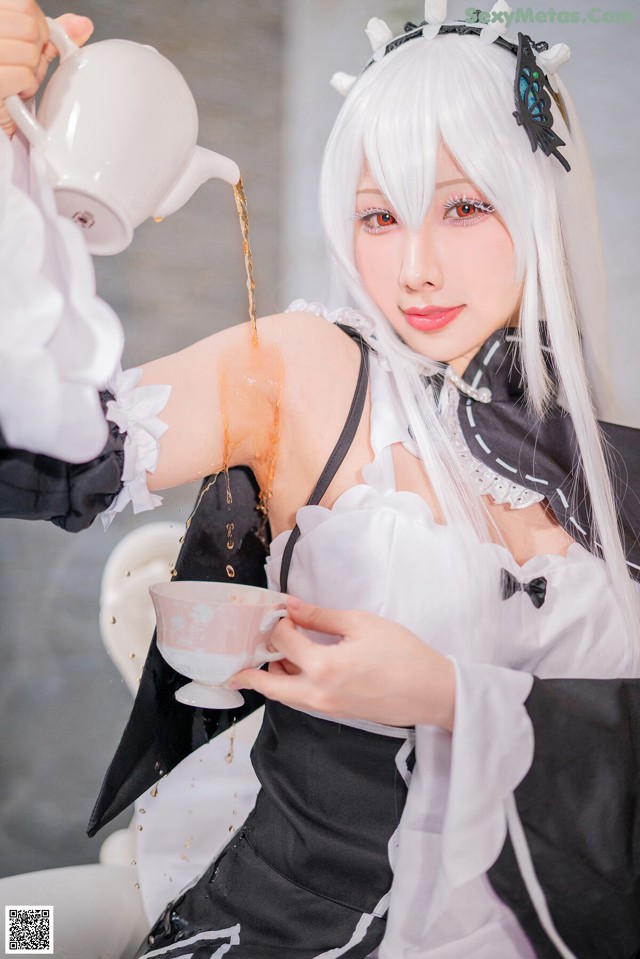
x=367, y=836
x=377, y=840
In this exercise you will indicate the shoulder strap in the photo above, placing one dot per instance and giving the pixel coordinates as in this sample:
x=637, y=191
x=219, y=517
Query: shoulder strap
x=339, y=451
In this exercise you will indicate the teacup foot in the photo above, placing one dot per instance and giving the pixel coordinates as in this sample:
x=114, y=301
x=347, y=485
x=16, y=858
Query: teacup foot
x=209, y=697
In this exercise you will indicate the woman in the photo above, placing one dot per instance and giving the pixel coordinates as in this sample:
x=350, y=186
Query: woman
x=449, y=230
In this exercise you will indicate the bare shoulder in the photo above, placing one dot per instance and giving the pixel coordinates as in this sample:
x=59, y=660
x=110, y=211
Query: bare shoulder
x=299, y=335
x=320, y=363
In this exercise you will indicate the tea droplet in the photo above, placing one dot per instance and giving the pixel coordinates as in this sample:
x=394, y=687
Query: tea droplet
x=154, y=792
x=232, y=735
x=139, y=828
x=128, y=573
x=133, y=862
x=158, y=219
x=137, y=885
x=132, y=655
x=230, y=572
x=112, y=620
x=232, y=828
x=141, y=810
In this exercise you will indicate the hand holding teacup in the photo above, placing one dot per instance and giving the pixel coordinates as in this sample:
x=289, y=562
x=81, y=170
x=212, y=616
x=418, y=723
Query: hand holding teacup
x=210, y=631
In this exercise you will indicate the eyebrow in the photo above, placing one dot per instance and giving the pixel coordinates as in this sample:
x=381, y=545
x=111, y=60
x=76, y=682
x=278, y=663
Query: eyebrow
x=438, y=186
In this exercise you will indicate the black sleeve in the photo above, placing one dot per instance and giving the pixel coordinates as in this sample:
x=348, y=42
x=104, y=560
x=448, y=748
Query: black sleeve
x=580, y=808
x=71, y=495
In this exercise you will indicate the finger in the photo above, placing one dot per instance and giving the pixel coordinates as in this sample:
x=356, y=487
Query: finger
x=77, y=28
x=337, y=622
x=284, y=666
x=17, y=80
x=281, y=686
x=297, y=647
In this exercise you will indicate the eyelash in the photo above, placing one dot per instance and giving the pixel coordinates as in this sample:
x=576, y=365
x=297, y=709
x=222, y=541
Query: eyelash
x=484, y=209
x=366, y=216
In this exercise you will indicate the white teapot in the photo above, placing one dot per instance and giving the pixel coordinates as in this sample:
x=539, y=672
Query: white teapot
x=117, y=127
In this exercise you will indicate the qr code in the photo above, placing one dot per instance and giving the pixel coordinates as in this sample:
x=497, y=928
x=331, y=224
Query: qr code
x=28, y=930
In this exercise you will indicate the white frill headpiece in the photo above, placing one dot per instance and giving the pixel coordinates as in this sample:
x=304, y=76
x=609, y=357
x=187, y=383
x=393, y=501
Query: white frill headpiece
x=59, y=342
x=435, y=14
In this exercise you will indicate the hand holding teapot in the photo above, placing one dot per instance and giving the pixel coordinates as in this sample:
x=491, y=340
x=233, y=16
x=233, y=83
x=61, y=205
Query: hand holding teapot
x=26, y=50
x=117, y=128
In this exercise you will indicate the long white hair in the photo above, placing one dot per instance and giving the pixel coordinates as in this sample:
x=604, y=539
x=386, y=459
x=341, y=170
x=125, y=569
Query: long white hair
x=458, y=90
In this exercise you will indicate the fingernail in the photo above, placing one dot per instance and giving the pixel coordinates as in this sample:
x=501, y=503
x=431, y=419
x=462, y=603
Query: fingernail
x=293, y=602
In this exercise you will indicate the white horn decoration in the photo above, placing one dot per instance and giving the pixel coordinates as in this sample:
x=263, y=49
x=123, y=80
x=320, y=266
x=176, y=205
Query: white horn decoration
x=496, y=28
x=551, y=60
x=378, y=33
x=342, y=82
x=435, y=11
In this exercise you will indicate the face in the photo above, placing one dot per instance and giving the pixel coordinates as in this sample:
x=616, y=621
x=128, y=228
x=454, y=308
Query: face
x=448, y=286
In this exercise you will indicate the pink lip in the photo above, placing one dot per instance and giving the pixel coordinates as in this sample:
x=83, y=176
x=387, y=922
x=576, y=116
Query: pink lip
x=428, y=318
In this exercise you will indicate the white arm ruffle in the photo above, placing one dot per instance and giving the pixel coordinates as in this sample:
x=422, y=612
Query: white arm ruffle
x=59, y=342
x=462, y=834
x=135, y=411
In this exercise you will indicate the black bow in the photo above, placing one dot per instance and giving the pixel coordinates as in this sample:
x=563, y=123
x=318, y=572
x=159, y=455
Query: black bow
x=536, y=589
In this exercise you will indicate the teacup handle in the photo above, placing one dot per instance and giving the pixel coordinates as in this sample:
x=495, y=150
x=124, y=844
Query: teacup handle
x=263, y=655
x=270, y=618
x=17, y=108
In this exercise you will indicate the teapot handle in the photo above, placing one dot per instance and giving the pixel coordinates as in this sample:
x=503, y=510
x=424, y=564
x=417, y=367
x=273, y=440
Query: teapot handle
x=17, y=108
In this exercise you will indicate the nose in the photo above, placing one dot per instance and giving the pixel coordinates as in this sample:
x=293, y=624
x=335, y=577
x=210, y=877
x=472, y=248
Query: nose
x=420, y=265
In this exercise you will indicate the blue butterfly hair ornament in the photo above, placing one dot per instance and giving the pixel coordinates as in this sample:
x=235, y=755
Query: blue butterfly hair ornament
x=533, y=88
x=533, y=101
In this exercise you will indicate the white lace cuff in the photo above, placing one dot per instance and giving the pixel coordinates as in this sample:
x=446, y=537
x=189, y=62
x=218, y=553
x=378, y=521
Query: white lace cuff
x=135, y=411
x=59, y=342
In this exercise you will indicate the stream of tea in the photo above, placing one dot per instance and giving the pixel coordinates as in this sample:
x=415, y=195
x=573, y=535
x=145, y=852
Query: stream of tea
x=257, y=388
x=243, y=215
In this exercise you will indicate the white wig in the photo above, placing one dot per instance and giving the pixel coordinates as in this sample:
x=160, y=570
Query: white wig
x=458, y=90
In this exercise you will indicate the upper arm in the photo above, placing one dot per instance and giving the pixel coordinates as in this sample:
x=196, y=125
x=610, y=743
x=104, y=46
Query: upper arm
x=227, y=395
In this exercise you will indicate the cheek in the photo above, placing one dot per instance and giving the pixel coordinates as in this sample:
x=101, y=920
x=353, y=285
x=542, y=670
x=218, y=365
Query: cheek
x=374, y=261
x=491, y=263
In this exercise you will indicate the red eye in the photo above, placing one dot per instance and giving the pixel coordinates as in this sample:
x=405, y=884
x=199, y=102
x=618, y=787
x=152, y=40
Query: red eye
x=463, y=210
x=384, y=219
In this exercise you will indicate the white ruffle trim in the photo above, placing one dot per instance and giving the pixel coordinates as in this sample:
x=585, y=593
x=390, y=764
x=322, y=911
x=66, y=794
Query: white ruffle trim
x=345, y=314
x=59, y=342
x=135, y=411
x=482, y=477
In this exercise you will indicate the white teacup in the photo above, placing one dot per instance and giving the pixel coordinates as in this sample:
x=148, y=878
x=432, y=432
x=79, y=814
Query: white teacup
x=209, y=631
x=117, y=127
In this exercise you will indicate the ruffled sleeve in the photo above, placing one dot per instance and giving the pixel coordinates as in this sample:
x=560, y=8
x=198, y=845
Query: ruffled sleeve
x=135, y=410
x=459, y=828
x=59, y=342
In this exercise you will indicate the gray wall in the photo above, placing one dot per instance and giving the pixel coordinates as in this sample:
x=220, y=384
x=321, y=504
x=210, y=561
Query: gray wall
x=259, y=72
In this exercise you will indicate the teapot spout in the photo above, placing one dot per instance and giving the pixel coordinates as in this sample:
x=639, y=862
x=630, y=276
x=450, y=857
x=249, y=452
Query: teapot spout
x=204, y=165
